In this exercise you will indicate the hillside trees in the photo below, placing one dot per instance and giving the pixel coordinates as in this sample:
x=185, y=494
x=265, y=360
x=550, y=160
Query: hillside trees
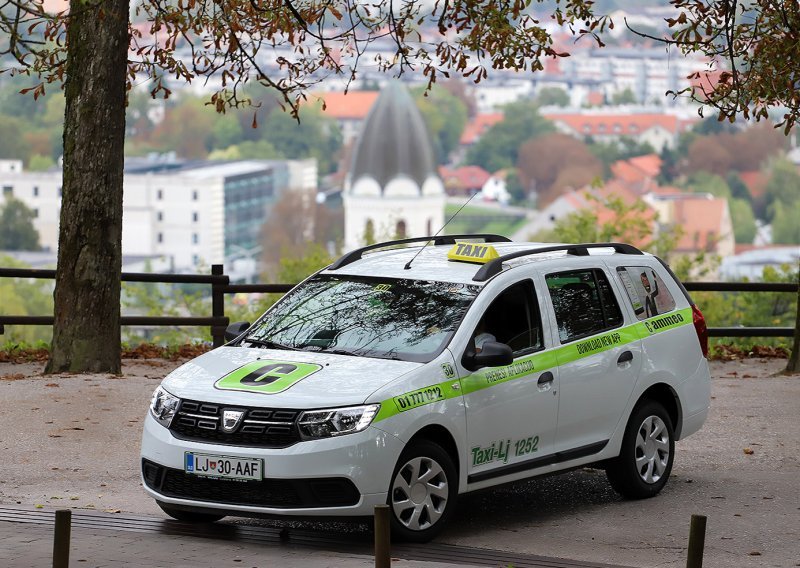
x=16, y=226
x=498, y=147
x=554, y=162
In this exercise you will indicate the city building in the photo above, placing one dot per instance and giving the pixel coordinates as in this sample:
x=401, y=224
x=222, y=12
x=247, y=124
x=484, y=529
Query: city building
x=194, y=213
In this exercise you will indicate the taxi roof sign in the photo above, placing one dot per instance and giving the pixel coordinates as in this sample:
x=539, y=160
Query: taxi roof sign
x=472, y=252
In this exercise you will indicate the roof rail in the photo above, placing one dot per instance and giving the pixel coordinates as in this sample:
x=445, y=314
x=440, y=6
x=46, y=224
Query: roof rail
x=495, y=266
x=355, y=255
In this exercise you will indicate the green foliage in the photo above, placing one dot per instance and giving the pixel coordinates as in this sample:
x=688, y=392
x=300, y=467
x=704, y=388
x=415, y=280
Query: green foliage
x=622, y=149
x=39, y=163
x=783, y=187
x=477, y=219
x=625, y=97
x=16, y=226
x=292, y=269
x=12, y=142
x=738, y=188
x=786, y=224
x=25, y=297
x=752, y=309
x=498, y=147
x=150, y=299
x=314, y=136
x=552, y=96
x=743, y=220
x=445, y=115
x=705, y=182
x=514, y=187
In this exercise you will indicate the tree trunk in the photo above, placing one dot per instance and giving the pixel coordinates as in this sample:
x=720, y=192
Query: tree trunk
x=793, y=366
x=86, y=333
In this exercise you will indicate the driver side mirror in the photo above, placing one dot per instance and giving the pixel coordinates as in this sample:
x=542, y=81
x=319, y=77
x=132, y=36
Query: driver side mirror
x=236, y=329
x=493, y=354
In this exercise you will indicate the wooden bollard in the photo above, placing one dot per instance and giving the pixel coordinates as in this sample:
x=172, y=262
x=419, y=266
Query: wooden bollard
x=697, y=542
x=61, y=538
x=383, y=557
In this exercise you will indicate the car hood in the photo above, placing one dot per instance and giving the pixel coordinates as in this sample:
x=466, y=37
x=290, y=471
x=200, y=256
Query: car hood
x=283, y=379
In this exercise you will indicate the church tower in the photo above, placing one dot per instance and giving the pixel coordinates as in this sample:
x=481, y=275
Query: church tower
x=392, y=188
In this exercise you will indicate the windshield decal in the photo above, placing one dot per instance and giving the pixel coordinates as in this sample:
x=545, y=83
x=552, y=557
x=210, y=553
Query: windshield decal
x=266, y=376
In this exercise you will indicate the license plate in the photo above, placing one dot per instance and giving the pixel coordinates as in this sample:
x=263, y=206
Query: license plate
x=223, y=466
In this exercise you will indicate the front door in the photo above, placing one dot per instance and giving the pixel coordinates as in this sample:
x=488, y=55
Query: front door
x=512, y=410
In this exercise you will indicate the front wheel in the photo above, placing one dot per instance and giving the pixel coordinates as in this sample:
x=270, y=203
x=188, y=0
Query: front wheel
x=423, y=492
x=188, y=516
x=648, y=448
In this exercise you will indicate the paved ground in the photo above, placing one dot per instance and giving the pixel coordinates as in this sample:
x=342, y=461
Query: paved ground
x=72, y=441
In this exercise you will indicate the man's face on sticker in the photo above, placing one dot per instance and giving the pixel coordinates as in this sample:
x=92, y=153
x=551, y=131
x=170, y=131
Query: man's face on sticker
x=645, y=282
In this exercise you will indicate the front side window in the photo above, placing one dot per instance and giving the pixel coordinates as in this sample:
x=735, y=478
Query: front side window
x=410, y=320
x=583, y=302
x=513, y=319
x=646, y=291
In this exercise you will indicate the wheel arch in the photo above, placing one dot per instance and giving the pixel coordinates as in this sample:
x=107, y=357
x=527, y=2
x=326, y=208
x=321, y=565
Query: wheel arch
x=441, y=436
x=668, y=398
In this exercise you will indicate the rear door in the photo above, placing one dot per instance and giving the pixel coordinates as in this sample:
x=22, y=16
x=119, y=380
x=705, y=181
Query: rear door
x=599, y=359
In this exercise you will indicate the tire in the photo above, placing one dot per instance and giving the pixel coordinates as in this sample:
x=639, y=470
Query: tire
x=423, y=492
x=188, y=516
x=648, y=449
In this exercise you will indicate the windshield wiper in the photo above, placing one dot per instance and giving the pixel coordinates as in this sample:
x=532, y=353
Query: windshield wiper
x=269, y=344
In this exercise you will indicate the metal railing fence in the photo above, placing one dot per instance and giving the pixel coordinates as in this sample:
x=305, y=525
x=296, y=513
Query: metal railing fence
x=220, y=285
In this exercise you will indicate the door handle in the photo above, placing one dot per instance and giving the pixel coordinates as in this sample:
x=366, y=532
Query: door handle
x=626, y=357
x=545, y=378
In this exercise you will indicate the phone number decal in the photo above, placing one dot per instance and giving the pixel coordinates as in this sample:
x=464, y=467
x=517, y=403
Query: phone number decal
x=418, y=398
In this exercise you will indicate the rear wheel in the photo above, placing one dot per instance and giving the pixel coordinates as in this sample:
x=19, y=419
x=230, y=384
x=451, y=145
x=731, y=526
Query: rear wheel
x=188, y=516
x=648, y=449
x=423, y=492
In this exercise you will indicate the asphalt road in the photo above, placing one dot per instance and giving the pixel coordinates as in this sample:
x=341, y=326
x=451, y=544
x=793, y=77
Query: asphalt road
x=72, y=441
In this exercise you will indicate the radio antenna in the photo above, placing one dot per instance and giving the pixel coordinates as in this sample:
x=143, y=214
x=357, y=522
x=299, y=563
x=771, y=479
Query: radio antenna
x=408, y=264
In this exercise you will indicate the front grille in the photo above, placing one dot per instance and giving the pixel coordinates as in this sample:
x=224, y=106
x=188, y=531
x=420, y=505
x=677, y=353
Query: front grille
x=274, y=493
x=260, y=427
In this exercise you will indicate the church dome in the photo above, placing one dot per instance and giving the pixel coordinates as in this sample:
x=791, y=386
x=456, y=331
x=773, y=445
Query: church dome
x=394, y=142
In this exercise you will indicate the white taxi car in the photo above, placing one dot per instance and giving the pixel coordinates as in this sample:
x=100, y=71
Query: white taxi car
x=412, y=374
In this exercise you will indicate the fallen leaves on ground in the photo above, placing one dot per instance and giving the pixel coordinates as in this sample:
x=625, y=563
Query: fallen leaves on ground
x=734, y=353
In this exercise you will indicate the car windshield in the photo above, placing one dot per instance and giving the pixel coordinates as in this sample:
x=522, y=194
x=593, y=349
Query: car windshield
x=409, y=320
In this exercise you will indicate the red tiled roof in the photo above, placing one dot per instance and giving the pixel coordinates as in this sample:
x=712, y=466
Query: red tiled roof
x=701, y=220
x=638, y=169
x=616, y=124
x=649, y=164
x=353, y=105
x=464, y=178
x=478, y=125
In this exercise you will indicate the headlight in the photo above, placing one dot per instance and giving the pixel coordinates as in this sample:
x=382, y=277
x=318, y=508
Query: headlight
x=336, y=421
x=163, y=406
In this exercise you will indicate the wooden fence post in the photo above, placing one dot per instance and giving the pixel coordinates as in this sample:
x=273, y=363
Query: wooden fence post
x=383, y=557
x=697, y=542
x=217, y=306
x=61, y=538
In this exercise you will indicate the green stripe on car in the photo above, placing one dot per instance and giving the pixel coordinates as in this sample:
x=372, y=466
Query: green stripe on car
x=491, y=376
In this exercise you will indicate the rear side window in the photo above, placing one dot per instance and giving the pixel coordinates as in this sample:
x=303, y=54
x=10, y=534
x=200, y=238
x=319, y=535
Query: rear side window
x=583, y=302
x=646, y=291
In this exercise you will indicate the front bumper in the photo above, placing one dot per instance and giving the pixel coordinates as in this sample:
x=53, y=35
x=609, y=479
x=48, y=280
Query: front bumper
x=342, y=476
